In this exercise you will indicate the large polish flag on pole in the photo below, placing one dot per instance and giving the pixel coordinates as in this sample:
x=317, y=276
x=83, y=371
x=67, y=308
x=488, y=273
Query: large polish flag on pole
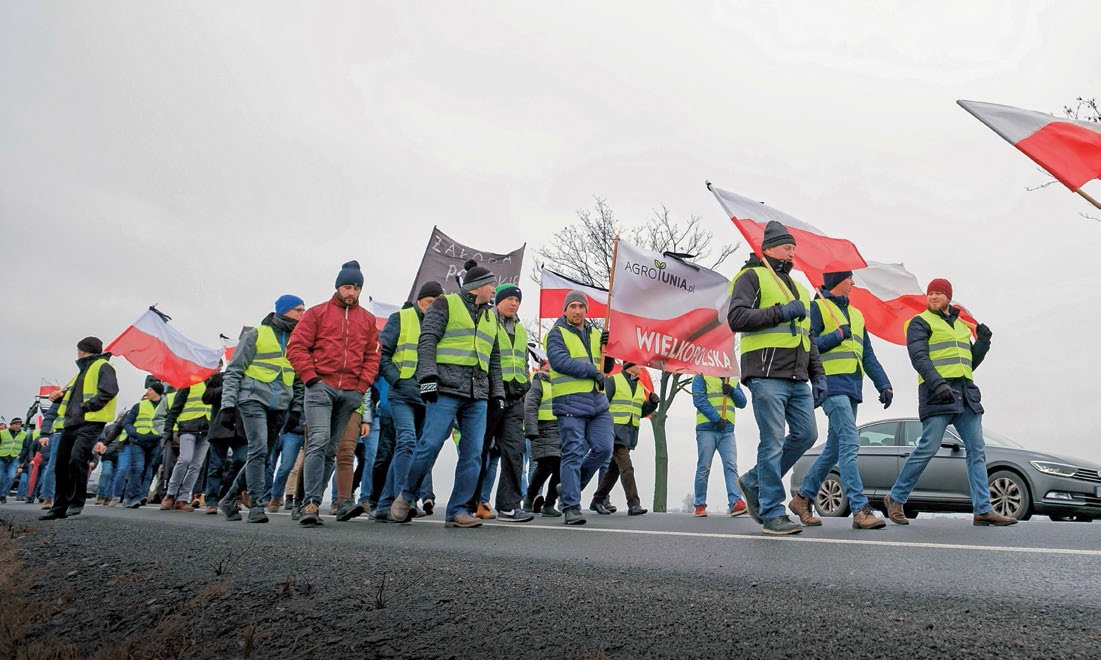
x=553, y=288
x=815, y=251
x=1069, y=149
x=150, y=344
x=669, y=314
x=889, y=295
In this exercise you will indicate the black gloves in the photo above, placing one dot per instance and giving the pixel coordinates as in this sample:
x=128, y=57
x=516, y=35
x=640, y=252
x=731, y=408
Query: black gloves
x=886, y=397
x=793, y=310
x=728, y=389
x=604, y=338
x=229, y=416
x=497, y=403
x=846, y=332
x=944, y=394
x=599, y=380
x=293, y=418
x=983, y=333
x=819, y=390
x=313, y=381
x=654, y=398
x=429, y=393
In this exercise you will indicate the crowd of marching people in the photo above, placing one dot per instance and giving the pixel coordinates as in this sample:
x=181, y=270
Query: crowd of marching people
x=320, y=399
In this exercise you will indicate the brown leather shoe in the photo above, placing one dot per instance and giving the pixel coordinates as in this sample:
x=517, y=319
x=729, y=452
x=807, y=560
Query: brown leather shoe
x=866, y=519
x=801, y=507
x=275, y=505
x=463, y=520
x=211, y=510
x=894, y=511
x=167, y=503
x=183, y=506
x=484, y=512
x=993, y=519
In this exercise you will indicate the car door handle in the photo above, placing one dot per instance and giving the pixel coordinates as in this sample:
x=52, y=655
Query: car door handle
x=905, y=454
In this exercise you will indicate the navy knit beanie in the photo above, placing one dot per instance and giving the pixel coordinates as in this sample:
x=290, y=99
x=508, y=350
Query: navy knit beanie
x=831, y=280
x=350, y=274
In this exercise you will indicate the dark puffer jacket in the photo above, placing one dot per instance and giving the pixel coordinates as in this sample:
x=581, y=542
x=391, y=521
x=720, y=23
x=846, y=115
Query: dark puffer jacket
x=966, y=391
x=580, y=404
x=455, y=380
x=545, y=442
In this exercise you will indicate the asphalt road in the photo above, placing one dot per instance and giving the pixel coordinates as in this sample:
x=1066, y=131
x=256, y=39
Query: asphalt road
x=658, y=585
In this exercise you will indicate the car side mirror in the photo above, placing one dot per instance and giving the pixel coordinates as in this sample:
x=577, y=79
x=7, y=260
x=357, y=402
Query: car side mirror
x=951, y=443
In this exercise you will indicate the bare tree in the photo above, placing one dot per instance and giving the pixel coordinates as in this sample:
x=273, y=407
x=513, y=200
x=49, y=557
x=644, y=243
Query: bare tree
x=583, y=251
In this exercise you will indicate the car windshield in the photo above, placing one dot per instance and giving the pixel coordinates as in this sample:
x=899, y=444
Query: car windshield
x=991, y=438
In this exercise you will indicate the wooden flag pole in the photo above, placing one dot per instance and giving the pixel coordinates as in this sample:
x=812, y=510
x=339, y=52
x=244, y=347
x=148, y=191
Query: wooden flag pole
x=1085, y=195
x=608, y=306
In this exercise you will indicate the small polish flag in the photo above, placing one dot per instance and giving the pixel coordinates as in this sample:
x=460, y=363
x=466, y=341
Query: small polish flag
x=381, y=311
x=553, y=290
x=1069, y=149
x=151, y=345
x=228, y=347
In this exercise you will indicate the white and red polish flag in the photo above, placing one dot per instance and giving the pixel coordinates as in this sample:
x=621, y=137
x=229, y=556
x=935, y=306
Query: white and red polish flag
x=815, y=251
x=381, y=312
x=229, y=347
x=669, y=314
x=553, y=288
x=889, y=295
x=1069, y=149
x=151, y=345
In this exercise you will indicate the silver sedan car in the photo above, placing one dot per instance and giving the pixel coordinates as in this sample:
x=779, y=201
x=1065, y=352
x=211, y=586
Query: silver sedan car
x=1023, y=482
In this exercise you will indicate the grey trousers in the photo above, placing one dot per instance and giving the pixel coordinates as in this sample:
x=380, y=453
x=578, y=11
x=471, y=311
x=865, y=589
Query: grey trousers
x=193, y=448
x=327, y=412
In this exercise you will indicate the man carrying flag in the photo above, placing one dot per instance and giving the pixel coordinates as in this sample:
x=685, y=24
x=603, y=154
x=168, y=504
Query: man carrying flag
x=846, y=352
x=778, y=358
x=88, y=404
x=941, y=351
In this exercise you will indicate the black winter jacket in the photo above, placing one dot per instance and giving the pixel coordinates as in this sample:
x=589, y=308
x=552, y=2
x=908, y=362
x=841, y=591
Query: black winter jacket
x=108, y=389
x=452, y=379
x=543, y=435
x=966, y=391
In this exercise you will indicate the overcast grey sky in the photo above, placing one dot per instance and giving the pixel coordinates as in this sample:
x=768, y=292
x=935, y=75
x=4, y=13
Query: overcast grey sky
x=212, y=156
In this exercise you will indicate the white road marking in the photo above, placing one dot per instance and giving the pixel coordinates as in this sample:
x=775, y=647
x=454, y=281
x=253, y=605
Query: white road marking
x=800, y=539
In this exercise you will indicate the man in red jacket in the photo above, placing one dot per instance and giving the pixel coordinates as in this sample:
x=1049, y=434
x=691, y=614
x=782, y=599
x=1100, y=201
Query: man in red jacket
x=334, y=350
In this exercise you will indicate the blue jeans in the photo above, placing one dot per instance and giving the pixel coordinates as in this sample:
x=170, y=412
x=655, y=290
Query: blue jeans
x=106, y=484
x=291, y=445
x=49, y=475
x=578, y=465
x=707, y=443
x=471, y=416
x=8, y=466
x=406, y=431
x=842, y=445
x=122, y=472
x=493, y=461
x=969, y=425
x=143, y=453
x=24, y=481
x=370, y=448
x=776, y=401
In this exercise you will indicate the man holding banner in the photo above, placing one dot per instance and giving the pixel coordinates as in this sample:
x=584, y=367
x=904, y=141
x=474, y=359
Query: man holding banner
x=778, y=358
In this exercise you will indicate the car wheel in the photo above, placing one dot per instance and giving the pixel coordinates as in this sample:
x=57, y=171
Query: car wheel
x=910, y=513
x=1009, y=495
x=1061, y=518
x=830, y=500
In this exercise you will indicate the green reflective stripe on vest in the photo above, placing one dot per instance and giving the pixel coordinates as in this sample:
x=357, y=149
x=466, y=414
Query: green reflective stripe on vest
x=719, y=401
x=194, y=408
x=848, y=356
x=405, y=353
x=626, y=406
x=462, y=344
x=143, y=423
x=514, y=355
x=788, y=334
x=270, y=361
x=564, y=384
x=949, y=346
x=546, y=407
x=11, y=445
x=89, y=389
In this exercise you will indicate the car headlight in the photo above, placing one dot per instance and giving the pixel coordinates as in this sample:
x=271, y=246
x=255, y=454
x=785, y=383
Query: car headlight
x=1057, y=469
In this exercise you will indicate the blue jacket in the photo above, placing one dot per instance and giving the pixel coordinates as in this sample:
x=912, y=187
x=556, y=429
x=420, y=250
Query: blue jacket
x=699, y=399
x=582, y=404
x=851, y=385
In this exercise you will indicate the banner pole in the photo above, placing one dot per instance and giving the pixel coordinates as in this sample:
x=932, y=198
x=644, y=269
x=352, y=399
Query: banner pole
x=608, y=306
x=1087, y=197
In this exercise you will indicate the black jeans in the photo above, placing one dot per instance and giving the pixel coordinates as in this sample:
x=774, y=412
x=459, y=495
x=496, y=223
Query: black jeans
x=221, y=469
x=623, y=469
x=504, y=436
x=546, y=467
x=71, y=469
